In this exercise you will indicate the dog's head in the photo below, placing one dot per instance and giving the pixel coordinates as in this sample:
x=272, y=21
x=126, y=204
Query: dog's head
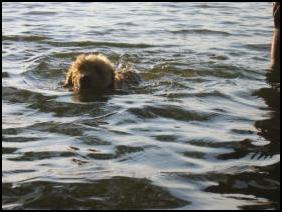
x=92, y=72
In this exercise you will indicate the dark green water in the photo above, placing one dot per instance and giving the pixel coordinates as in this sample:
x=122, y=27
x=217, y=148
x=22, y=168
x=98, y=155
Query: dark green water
x=201, y=132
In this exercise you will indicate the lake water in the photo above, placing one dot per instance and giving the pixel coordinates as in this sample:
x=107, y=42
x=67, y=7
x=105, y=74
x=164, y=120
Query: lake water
x=202, y=131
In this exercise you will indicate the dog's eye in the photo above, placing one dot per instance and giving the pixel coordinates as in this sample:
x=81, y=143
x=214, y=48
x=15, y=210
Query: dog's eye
x=84, y=78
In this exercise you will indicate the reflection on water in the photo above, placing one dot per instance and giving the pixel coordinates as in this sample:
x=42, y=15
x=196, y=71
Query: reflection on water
x=115, y=193
x=264, y=181
x=202, y=131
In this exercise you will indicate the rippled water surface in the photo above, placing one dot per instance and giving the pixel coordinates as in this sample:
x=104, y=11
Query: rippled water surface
x=202, y=131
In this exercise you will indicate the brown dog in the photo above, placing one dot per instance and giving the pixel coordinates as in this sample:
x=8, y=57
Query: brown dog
x=96, y=73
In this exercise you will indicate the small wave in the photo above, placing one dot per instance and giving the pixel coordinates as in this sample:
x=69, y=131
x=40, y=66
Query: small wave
x=20, y=95
x=24, y=38
x=8, y=150
x=32, y=156
x=200, y=31
x=18, y=139
x=120, y=151
x=97, y=43
x=45, y=13
x=128, y=23
x=57, y=127
x=215, y=6
x=178, y=95
x=263, y=47
x=222, y=71
x=170, y=112
x=5, y=74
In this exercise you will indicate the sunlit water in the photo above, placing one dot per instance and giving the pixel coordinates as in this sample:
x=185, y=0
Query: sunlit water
x=201, y=132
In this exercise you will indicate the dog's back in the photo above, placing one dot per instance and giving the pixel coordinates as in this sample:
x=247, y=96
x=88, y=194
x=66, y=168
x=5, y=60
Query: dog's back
x=126, y=79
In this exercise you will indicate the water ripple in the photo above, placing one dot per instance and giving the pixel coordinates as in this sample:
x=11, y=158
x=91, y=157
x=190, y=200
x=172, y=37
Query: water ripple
x=202, y=131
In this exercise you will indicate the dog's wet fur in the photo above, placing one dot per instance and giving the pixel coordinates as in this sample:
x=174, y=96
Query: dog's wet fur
x=95, y=73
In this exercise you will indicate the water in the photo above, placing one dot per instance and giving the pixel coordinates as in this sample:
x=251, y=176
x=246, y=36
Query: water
x=201, y=132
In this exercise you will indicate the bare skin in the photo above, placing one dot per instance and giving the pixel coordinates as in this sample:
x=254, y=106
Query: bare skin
x=275, y=47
